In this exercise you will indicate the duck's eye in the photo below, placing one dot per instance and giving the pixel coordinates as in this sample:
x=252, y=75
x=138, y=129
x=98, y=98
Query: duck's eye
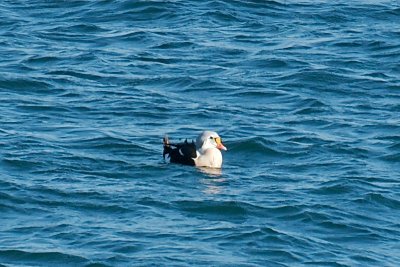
x=211, y=137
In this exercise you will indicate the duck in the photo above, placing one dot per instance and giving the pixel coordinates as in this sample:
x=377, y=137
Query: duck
x=205, y=152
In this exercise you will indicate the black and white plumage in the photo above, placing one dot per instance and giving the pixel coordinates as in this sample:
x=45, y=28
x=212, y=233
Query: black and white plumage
x=204, y=153
x=182, y=153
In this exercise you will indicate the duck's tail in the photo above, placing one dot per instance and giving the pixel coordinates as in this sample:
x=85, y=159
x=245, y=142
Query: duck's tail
x=167, y=146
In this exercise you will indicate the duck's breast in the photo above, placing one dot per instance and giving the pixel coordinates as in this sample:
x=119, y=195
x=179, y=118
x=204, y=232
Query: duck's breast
x=211, y=157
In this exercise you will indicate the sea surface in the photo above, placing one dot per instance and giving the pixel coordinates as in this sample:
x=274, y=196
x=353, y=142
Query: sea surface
x=305, y=95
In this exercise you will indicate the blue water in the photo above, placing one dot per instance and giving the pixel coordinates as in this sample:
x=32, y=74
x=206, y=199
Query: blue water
x=305, y=94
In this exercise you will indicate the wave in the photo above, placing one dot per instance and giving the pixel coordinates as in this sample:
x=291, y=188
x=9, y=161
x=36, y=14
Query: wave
x=20, y=163
x=333, y=188
x=391, y=157
x=76, y=74
x=226, y=209
x=377, y=199
x=43, y=257
x=235, y=210
x=259, y=145
x=175, y=45
x=26, y=84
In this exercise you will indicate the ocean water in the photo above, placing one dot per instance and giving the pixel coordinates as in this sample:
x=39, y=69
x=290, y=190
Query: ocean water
x=305, y=94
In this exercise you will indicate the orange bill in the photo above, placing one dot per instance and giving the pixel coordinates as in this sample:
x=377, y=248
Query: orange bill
x=220, y=146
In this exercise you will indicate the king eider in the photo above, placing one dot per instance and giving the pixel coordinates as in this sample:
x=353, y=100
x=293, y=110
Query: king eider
x=204, y=153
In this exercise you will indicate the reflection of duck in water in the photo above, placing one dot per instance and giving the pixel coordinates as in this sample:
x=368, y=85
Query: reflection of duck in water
x=214, y=182
x=205, y=153
x=211, y=172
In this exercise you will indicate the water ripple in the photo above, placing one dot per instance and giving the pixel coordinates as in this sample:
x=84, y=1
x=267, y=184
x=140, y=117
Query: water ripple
x=305, y=96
